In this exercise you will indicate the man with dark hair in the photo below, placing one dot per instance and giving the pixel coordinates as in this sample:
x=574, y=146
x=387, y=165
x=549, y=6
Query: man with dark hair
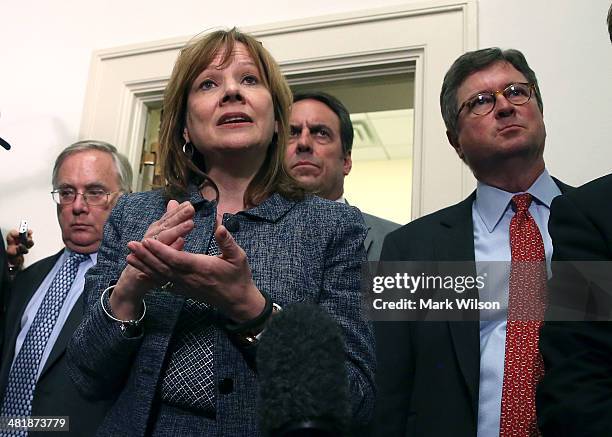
x=575, y=395
x=475, y=377
x=319, y=156
x=46, y=306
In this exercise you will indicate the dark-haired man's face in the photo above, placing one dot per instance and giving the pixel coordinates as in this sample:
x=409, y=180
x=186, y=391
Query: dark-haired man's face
x=507, y=131
x=314, y=155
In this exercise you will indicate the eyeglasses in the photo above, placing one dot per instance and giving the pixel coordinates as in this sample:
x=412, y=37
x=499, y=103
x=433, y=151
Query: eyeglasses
x=483, y=103
x=93, y=197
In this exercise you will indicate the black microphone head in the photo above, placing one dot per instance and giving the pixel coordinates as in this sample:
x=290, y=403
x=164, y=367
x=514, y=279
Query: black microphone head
x=303, y=383
x=4, y=144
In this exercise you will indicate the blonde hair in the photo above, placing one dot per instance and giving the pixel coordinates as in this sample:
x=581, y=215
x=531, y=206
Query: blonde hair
x=178, y=169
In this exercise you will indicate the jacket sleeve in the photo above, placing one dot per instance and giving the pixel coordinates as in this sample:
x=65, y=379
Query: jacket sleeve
x=341, y=297
x=99, y=355
x=574, y=396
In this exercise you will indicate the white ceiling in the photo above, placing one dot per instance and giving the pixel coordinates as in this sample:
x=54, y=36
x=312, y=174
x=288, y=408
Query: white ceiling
x=383, y=135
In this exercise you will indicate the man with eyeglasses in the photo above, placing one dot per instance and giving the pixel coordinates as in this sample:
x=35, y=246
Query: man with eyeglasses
x=476, y=377
x=45, y=306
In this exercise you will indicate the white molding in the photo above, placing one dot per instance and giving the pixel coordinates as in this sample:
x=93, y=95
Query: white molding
x=418, y=168
x=378, y=62
x=370, y=15
x=123, y=80
x=141, y=48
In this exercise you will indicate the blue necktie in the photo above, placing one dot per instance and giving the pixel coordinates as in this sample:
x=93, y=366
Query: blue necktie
x=22, y=378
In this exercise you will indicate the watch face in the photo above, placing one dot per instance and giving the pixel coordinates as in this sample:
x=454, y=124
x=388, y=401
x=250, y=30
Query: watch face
x=246, y=339
x=130, y=330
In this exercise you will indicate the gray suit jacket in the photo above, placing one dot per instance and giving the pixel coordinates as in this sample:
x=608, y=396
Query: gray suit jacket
x=378, y=228
x=309, y=250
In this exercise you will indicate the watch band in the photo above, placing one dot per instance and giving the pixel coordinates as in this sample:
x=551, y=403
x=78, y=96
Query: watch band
x=250, y=338
x=249, y=325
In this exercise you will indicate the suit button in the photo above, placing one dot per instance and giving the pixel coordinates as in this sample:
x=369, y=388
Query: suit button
x=226, y=386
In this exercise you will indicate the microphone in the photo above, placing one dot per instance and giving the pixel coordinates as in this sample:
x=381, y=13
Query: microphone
x=303, y=382
x=4, y=144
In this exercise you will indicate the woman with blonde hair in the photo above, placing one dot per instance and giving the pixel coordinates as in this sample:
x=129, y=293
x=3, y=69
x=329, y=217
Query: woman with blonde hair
x=188, y=275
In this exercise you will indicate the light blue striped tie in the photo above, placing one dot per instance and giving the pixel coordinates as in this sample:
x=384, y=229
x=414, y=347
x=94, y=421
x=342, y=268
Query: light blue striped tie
x=22, y=378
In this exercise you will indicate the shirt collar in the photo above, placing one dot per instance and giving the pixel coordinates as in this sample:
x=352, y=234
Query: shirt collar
x=491, y=203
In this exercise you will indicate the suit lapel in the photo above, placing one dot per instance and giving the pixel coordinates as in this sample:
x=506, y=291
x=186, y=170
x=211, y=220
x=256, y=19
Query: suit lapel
x=72, y=323
x=563, y=187
x=455, y=242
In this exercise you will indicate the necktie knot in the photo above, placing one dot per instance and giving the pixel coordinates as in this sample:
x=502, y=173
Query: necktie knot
x=522, y=201
x=78, y=258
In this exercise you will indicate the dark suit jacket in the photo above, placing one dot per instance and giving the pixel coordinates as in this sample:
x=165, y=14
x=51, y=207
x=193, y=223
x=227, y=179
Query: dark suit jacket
x=309, y=250
x=55, y=394
x=4, y=291
x=428, y=372
x=575, y=395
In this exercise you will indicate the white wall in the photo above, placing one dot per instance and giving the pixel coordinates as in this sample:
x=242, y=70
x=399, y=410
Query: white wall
x=46, y=46
x=567, y=44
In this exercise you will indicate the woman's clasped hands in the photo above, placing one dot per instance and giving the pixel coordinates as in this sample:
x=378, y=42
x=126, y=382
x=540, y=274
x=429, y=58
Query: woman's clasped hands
x=224, y=282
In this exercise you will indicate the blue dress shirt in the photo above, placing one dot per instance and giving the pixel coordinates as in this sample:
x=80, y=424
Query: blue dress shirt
x=491, y=215
x=73, y=295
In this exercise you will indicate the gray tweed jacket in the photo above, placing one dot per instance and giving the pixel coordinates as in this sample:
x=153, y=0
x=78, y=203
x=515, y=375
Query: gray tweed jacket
x=308, y=250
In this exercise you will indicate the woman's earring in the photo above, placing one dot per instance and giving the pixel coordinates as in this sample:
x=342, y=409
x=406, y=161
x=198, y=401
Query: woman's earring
x=188, y=149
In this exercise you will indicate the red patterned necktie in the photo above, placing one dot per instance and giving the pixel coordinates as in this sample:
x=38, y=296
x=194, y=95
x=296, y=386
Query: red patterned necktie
x=523, y=366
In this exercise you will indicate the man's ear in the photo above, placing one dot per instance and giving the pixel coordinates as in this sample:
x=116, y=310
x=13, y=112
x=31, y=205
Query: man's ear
x=186, y=135
x=348, y=163
x=454, y=141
